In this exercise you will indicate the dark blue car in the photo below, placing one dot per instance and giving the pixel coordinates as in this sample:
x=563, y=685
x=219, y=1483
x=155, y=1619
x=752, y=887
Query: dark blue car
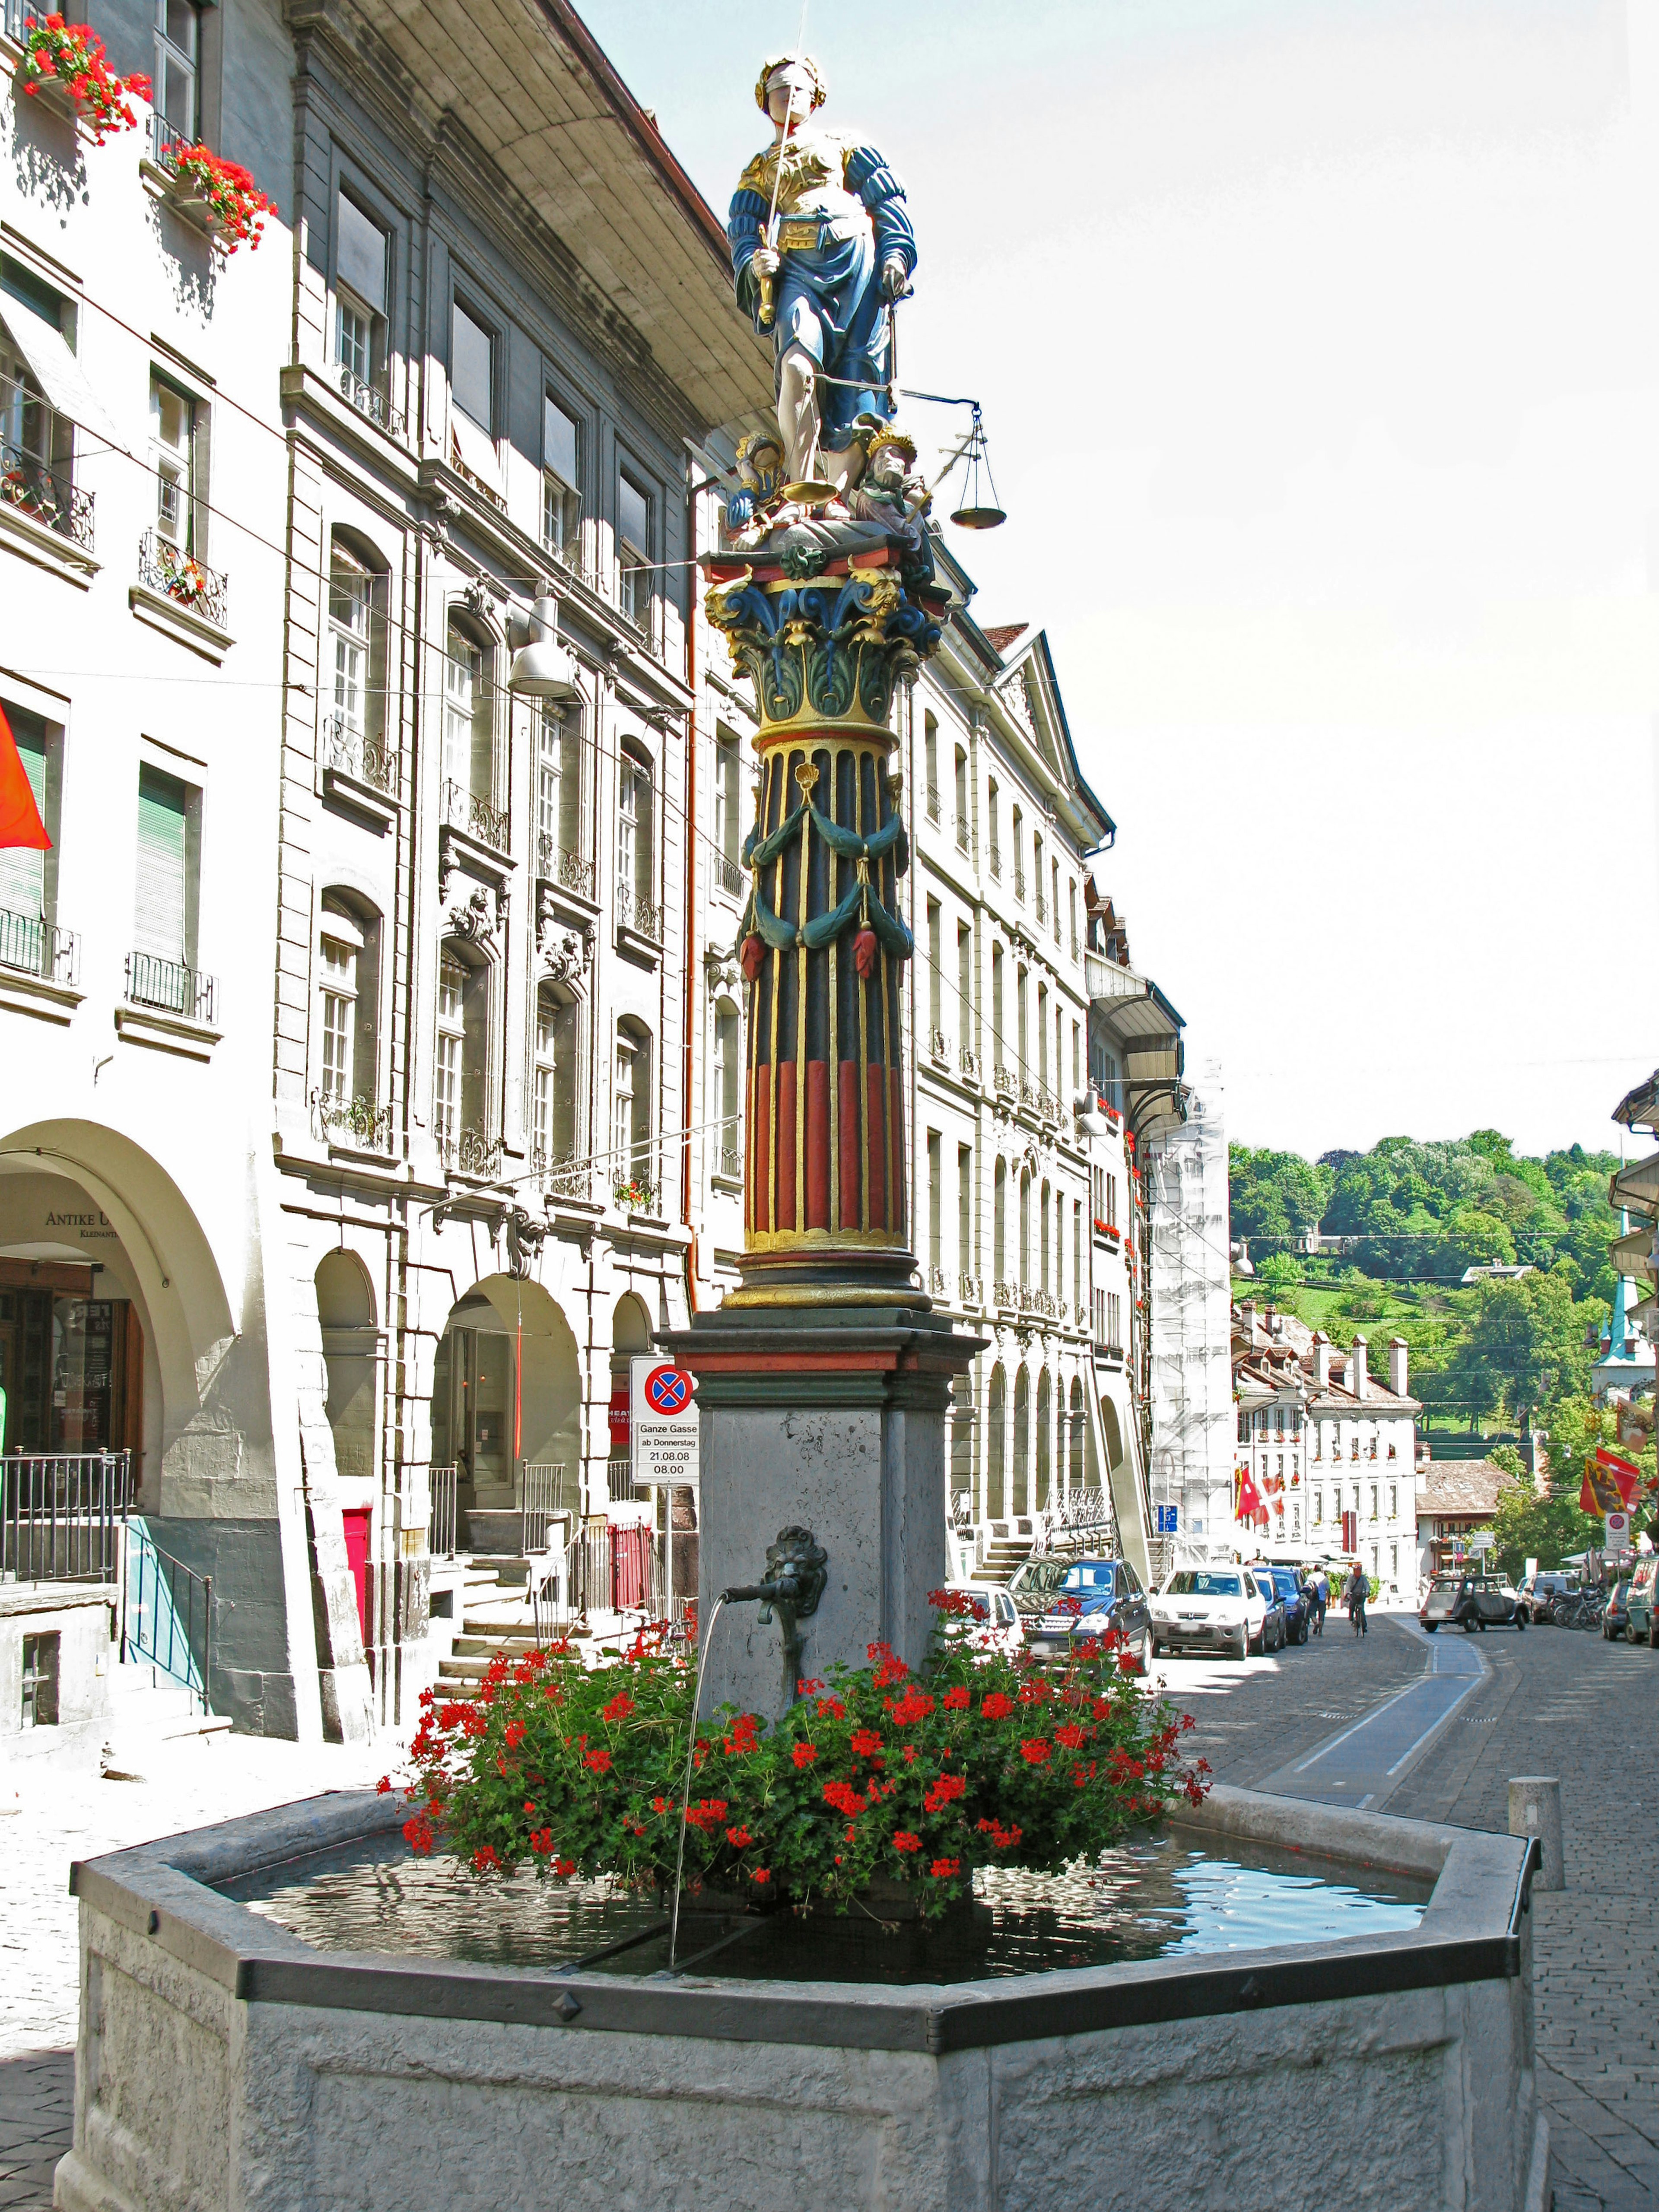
x=1299, y=1606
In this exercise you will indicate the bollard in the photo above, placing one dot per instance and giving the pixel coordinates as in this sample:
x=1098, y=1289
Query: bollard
x=1535, y=1810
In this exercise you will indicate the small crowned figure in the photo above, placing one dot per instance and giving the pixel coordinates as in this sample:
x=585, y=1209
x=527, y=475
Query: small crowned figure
x=822, y=246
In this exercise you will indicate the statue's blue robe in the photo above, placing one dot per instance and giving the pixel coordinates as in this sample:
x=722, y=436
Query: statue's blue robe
x=830, y=301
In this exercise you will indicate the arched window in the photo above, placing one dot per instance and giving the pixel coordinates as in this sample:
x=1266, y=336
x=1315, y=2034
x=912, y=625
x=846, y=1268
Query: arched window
x=633, y=1182
x=930, y=759
x=1022, y=1442
x=555, y=1091
x=1045, y=1422
x=996, y=1415
x=354, y=675
x=345, y=1311
x=999, y=1227
x=962, y=798
x=347, y=1018
x=1078, y=1439
x=460, y=1104
x=1114, y=1435
x=469, y=765
x=727, y=1087
x=636, y=906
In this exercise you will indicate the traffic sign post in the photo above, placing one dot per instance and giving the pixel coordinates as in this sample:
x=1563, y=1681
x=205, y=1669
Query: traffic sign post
x=663, y=1424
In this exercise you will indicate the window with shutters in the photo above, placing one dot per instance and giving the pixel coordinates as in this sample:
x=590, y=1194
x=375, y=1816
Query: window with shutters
x=633, y=553
x=361, y=260
x=29, y=941
x=562, y=498
x=37, y=443
x=162, y=969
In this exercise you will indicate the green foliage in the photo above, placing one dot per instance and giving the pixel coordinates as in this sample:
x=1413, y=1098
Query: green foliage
x=1426, y=1212
x=1507, y=1457
x=1275, y=1195
x=877, y=1775
x=1528, y=1527
x=1281, y=1275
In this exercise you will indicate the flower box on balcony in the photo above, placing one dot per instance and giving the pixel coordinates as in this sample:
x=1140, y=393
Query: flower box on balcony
x=64, y=68
x=218, y=196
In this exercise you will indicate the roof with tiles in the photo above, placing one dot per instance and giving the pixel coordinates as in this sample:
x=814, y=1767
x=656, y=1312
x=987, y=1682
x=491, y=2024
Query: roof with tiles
x=1273, y=1351
x=1463, y=1490
x=1002, y=634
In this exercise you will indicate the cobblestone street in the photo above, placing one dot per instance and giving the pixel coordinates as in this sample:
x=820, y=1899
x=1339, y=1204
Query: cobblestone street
x=1550, y=1702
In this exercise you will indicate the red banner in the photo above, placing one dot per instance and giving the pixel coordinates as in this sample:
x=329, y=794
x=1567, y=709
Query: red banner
x=1250, y=1497
x=20, y=817
x=1625, y=1473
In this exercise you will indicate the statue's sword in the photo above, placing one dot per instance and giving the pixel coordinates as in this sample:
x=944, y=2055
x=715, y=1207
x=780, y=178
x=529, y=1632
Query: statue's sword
x=770, y=235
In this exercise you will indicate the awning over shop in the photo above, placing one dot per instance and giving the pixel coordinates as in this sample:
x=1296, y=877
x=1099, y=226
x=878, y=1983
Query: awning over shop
x=1636, y=1188
x=1145, y=1029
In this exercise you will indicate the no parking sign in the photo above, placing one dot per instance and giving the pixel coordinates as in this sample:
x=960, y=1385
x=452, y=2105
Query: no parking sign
x=663, y=1424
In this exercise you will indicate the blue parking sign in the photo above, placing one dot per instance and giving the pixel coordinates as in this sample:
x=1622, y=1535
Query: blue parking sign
x=1168, y=1517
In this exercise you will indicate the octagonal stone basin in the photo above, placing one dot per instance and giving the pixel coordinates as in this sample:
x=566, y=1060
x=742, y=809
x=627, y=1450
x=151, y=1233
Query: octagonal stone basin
x=225, y=2063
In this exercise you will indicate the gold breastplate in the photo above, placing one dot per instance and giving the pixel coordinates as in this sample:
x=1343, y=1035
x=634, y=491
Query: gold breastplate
x=811, y=179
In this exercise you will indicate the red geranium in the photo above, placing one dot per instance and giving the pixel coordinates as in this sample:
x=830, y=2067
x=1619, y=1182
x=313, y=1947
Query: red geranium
x=72, y=57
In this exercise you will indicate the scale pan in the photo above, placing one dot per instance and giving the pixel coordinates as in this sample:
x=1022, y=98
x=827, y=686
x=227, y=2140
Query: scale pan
x=979, y=518
x=810, y=492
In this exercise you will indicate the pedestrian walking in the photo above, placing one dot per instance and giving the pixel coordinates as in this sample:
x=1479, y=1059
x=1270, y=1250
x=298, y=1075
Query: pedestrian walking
x=1357, y=1590
x=1321, y=1597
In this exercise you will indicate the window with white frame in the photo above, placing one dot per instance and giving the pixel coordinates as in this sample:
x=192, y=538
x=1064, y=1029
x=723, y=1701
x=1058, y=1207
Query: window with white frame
x=561, y=815
x=727, y=1147
x=630, y=1124
x=468, y=761
x=553, y=1099
x=446, y=1088
x=361, y=258
x=176, y=80
x=965, y=1209
x=728, y=805
x=561, y=499
x=635, y=855
x=339, y=1013
x=633, y=549
x=173, y=447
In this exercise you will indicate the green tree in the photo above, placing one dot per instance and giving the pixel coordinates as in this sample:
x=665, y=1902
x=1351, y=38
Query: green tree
x=1477, y=1238
x=1528, y=1337
x=1274, y=1197
x=1281, y=1275
x=1508, y=1458
x=1547, y=1529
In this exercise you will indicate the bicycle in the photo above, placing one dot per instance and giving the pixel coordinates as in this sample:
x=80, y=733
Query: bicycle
x=1580, y=1609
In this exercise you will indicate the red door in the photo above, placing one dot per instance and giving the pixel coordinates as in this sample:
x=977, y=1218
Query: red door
x=356, y=1521
x=628, y=1548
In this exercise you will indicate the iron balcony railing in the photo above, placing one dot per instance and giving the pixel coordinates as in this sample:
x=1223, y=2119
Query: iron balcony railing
x=35, y=947
x=61, y=1516
x=636, y=912
x=555, y=863
x=933, y=808
x=14, y=14
x=167, y=144
x=46, y=495
x=368, y=399
x=357, y=1122
x=729, y=875
x=464, y=810
x=962, y=1508
x=619, y=1481
x=962, y=834
x=996, y=860
x=165, y=567
x=167, y=1615
x=546, y=1495
x=440, y=1526
x=349, y=752
x=1019, y=883
x=173, y=987
x=470, y=1152
x=1041, y=908
x=564, y=1174
x=728, y=1163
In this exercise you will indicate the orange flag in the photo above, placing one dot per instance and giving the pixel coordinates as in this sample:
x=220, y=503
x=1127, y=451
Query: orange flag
x=20, y=817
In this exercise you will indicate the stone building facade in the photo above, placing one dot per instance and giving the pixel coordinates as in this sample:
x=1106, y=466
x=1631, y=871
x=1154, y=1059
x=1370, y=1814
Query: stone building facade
x=359, y=1028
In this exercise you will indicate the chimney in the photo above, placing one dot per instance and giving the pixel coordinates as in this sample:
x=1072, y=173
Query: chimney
x=1247, y=1319
x=1321, y=1359
x=1399, y=1352
x=1357, y=1358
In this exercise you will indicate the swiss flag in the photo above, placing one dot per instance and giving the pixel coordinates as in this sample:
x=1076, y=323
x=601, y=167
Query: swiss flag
x=20, y=817
x=1250, y=1497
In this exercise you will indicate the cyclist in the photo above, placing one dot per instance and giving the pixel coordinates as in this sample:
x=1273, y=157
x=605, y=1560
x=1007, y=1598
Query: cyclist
x=1357, y=1591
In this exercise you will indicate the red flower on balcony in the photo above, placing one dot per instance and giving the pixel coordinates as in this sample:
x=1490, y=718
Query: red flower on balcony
x=236, y=208
x=70, y=58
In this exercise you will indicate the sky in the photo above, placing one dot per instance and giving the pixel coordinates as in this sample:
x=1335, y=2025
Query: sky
x=1318, y=342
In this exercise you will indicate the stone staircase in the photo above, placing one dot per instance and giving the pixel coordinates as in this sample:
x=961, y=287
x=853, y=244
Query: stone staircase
x=496, y=1616
x=147, y=1709
x=1004, y=1558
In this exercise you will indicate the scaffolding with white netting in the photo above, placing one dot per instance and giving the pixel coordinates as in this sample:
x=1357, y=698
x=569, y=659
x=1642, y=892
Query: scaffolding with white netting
x=1192, y=1424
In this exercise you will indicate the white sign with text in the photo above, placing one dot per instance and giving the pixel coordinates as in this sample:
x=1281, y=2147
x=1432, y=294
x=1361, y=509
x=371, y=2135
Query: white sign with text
x=663, y=1425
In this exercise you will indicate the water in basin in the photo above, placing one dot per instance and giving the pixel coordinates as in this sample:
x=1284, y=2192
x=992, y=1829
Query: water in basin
x=1163, y=1893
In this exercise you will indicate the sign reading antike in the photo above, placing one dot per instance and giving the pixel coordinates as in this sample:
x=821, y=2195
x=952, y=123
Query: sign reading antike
x=663, y=1424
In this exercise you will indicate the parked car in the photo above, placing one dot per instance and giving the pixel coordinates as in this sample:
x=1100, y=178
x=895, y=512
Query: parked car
x=1641, y=1608
x=1470, y=1601
x=1294, y=1599
x=1538, y=1595
x=1615, y=1621
x=1210, y=1609
x=1064, y=1600
x=997, y=1624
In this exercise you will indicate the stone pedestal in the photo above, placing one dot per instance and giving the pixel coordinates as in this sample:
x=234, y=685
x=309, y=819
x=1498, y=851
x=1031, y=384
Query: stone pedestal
x=830, y=1419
